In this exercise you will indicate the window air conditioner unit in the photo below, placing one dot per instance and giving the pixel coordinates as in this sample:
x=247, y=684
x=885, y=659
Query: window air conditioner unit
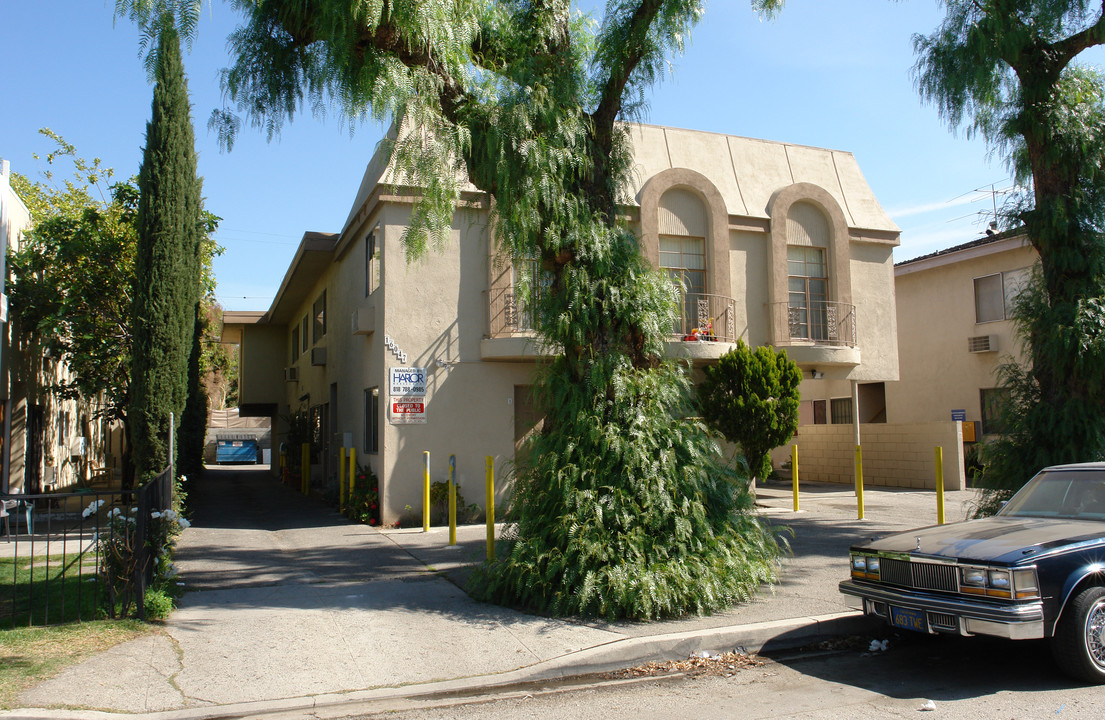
x=291, y=374
x=982, y=343
x=318, y=356
x=364, y=320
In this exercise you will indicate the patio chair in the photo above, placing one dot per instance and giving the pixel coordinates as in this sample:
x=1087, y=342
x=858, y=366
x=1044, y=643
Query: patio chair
x=5, y=514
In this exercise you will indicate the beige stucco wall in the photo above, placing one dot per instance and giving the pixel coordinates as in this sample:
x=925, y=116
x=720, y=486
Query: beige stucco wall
x=262, y=359
x=433, y=309
x=936, y=315
x=436, y=308
x=876, y=321
x=894, y=454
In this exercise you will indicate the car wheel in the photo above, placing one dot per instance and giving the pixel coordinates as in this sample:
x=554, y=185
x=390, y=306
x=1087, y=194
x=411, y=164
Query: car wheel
x=1079, y=641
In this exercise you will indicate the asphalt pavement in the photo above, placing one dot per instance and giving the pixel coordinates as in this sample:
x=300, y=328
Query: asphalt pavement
x=293, y=609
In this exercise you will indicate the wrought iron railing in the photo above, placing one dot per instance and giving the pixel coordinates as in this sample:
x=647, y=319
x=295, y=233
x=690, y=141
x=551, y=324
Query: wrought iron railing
x=818, y=323
x=52, y=549
x=508, y=315
x=712, y=316
x=706, y=317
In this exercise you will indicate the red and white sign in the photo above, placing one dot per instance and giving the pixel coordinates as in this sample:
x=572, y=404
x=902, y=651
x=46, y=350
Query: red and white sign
x=407, y=412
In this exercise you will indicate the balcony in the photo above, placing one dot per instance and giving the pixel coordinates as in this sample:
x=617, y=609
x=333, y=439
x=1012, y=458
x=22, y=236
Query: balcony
x=706, y=330
x=820, y=332
x=511, y=335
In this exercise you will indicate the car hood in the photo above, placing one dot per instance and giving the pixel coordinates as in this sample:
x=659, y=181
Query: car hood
x=1004, y=540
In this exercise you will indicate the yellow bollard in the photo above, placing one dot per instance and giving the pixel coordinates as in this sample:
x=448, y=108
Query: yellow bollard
x=939, y=485
x=352, y=472
x=452, y=500
x=859, y=480
x=426, y=492
x=341, y=485
x=794, y=473
x=305, y=469
x=489, y=488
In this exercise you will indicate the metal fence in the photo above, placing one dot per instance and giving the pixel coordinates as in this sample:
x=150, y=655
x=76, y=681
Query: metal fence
x=83, y=555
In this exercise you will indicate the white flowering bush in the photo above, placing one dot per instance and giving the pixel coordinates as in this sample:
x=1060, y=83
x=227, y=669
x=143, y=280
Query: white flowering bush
x=117, y=546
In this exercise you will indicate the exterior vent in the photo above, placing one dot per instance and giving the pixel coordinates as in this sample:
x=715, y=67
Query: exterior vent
x=291, y=374
x=318, y=356
x=982, y=343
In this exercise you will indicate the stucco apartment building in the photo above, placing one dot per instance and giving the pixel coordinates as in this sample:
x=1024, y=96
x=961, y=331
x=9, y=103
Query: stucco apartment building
x=772, y=243
x=954, y=331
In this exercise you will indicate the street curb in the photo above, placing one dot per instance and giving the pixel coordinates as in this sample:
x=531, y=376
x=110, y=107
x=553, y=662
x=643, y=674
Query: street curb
x=615, y=655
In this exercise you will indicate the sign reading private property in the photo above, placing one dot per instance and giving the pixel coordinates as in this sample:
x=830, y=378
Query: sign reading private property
x=407, y=412
x=407, y=382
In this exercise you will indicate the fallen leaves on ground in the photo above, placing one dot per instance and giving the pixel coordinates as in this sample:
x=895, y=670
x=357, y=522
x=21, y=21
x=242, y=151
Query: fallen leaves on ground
x=696, y=665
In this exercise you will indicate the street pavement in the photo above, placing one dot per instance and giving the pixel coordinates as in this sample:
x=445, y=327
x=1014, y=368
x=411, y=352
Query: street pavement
x=293, y=609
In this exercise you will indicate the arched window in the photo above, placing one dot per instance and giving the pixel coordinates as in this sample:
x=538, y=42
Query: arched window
x=682, y=226
x=808, y=236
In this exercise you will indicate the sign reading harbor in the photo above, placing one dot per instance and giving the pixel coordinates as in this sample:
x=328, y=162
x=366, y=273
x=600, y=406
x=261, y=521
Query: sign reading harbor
x=408, y=382
x=408, y=392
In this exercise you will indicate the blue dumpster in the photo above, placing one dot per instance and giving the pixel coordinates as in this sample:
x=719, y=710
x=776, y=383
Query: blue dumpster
x=238, y=449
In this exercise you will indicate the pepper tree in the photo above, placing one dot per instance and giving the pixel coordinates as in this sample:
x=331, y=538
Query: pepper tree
x=622, y=506
x=1008, y=70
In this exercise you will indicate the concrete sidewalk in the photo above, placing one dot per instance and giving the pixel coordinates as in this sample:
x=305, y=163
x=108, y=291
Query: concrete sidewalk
x=293, y=609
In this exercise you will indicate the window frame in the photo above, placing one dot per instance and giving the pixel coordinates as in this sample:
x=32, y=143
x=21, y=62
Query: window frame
x=989, y=405
x=1012, y=283
x=814, y=304
x=318, y=315
x=369, y=260
x=372, y=420
x=837, y=419
x=678, y=275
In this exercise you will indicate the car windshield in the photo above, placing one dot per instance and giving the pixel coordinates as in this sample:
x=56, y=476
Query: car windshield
x=1060, y=493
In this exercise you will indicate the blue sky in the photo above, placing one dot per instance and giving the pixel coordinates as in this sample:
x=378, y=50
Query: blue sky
x=828, y=73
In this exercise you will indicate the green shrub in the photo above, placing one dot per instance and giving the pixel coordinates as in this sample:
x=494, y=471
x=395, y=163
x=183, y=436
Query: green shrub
x=159, y=603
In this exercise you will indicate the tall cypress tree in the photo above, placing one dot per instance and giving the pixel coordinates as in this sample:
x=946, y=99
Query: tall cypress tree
x=167, y=264
x=193, y=424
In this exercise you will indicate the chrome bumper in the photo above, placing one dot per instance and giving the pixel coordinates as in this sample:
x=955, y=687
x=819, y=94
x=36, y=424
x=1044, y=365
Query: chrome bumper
x=1021, y=621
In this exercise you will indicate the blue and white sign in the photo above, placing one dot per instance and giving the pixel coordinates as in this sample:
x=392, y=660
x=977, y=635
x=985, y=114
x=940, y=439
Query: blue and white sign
x=408, y=381
x=960, y=415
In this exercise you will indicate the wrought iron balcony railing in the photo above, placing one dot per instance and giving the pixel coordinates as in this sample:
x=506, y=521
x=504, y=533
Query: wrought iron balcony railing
x=713, y=316
x=818, y=323
x=706, y=317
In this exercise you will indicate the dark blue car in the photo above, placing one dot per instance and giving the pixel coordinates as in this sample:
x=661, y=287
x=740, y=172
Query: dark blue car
x=1034, y=570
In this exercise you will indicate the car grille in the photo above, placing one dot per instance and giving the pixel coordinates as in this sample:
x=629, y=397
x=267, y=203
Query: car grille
x=943, y=621
x=919, y=576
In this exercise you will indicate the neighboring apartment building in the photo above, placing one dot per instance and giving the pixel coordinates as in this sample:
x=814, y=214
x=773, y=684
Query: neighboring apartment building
x=47, y=443
x=774, y=244
x=954, y=331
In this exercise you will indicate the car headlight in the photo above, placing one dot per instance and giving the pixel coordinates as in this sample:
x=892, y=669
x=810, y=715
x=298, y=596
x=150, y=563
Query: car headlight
x=999, y=580
x=973, y=577
x=865, y=567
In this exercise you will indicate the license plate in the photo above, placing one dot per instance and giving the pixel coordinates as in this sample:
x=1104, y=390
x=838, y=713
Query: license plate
x=908, y=619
